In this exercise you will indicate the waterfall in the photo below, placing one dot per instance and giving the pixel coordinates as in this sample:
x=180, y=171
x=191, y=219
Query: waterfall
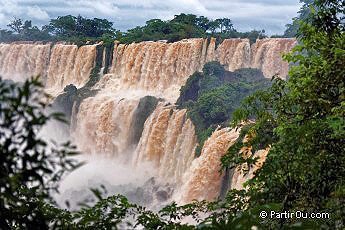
x=234, y=53
x=169, y=141
x=155, y=67
x=132, y=118
x=158, y=67
x=102, y=124
x=203, y=178
x=21, y=61
x=69, y=65
x=266, y=55
x=211, y=49
x=57, y=66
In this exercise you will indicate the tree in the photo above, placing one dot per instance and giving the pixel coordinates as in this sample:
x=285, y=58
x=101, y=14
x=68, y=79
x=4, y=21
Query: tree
x=228, y=25
x=203, y=23
x=302, y=120
x=156, y=27
x=225, y=25
x=63, y=26
x=16, y=25
x=213, y=26
x=27, y=25
x=67, y=27
x=6, y=35
x=30, y=169
x=303, y=14
x=190, y=19
x=93, y=27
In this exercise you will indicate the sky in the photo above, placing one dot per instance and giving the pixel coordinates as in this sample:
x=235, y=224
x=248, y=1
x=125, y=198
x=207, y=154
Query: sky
x=271, y=15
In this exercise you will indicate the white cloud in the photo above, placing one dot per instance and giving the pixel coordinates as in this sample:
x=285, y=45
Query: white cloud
x=35, y=12
x=8, y=6
x=270, y=15
x=103, y=8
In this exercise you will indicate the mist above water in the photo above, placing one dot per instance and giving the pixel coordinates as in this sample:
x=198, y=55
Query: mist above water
x=111, y=177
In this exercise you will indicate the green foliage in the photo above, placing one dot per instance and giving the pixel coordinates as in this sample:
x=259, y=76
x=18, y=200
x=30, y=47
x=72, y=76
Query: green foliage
x=214, y=69
x=303, y=15
x=23, y=31
x=302, y=120
x=30, y=167
x=211, y=96
x=182, y=26
x=80, y=30
x=222, y=99
x=190, y=90
x=186, y=26
x=68, y=26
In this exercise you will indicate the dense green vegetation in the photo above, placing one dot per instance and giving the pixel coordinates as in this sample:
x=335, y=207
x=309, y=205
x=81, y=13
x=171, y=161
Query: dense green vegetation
x=303, y=14
x=81, y=30
x=301, y=119
x=187, y=26
x=30, y=168
x=66, y=28
x=211, y=96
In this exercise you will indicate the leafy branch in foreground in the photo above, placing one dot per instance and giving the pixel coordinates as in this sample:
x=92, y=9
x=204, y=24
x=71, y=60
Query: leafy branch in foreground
x=302, y=120
x=30, y=166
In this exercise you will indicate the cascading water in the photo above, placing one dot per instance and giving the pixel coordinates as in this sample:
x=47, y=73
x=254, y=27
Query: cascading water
x=58, y=66
x=203, y=179
x=211, y=49
x=266, y=55
x=146, y=138
x=21, y=61
x=155, y=67
x=69, y=65
x=168, y=140
x=150, y=66
x=102, y=124
x=234, y=53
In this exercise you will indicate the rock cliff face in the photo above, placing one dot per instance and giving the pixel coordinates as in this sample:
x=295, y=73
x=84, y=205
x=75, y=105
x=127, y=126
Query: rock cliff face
x=108, y=121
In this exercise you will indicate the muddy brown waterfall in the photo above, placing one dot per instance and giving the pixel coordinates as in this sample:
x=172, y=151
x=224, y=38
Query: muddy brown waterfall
x=104, y=122
x=20, y=61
